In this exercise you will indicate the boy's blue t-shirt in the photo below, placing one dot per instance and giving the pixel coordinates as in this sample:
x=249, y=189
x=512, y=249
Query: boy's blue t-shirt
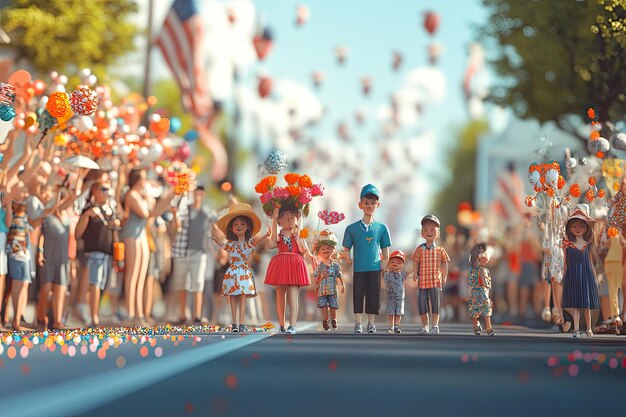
x=366, y=243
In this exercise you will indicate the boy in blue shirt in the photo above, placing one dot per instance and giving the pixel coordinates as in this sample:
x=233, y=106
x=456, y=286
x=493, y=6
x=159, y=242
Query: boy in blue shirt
x=367, y=237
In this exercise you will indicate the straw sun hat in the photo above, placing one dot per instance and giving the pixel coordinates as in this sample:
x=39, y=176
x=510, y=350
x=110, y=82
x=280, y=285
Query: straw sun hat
x=236, y=210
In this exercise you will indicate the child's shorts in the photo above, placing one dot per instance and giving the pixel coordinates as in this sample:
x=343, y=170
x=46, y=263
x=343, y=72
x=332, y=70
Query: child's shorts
x=395, y=307
x=328, y=301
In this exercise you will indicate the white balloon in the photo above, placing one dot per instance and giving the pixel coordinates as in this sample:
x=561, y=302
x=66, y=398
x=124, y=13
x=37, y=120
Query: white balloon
x=534, y=177
x=571, y=163
x=552, y=177
x=5, y=128
x=83, y=123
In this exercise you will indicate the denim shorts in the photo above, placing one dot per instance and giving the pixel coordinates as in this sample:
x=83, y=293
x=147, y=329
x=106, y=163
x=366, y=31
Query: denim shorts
x=328, y=301
x=19, y=270
x=99, y=267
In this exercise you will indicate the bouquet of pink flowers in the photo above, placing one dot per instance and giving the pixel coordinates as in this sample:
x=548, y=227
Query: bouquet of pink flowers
x=299, y=192
x=330, y=217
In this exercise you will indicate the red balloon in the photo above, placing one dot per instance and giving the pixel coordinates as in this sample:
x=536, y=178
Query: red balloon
x=265, y=86
x=39, y=87
x=431, y=22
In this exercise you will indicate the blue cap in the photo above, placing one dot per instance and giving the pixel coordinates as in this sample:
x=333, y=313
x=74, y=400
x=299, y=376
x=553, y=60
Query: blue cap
x=370, y=189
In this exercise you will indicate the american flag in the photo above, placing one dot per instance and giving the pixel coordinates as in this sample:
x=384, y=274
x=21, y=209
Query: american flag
x=180, y=42
x=507, y=202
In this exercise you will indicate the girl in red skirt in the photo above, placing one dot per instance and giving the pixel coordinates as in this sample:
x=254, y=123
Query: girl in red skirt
x=287, y=270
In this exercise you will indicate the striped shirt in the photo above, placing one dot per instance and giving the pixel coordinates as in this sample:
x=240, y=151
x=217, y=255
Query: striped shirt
x=429, y=262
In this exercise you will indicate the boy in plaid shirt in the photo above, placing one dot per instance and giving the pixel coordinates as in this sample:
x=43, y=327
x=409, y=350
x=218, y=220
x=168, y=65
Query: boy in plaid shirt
x=430, y=268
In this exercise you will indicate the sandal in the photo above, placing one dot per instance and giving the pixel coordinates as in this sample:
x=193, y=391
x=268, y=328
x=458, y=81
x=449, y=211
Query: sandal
x=478, y=329
x=334, y=324
x=490, y=332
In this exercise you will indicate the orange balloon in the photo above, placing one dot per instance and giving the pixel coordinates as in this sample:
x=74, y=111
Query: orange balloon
x=19, y=78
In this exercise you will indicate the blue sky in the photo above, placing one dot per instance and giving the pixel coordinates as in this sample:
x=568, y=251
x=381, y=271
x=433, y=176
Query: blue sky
x=371, y=30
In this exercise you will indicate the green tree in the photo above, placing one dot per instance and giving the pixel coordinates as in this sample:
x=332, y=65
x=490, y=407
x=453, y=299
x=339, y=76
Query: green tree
x=556, y=59
x=67, y=35
x=462, y=168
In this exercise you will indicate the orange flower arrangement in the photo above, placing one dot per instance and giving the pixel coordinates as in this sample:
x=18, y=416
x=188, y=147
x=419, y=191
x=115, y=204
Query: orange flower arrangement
x=294, y=190
x=574, y=190
x=305, y=181
x=601, y=193
x=299, y=192
x=589, y=195
x=304, y=233
x=265, y=185
x=612, y=232
x=592, y=181
x=292, y=178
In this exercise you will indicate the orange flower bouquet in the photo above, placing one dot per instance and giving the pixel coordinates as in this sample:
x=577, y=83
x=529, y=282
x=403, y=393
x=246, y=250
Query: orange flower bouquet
x=298, y=192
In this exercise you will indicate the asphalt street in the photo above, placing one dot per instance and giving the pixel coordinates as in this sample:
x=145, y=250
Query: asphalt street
x=519, y=372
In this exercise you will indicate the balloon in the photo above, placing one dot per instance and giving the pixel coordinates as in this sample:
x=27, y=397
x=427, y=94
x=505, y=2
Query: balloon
x=19, y=78
x=303, y=13
x=30, y=119
x=232, y=16
x=5, y=127
x=263, y=43
x=318, y=78
x=534, y=177
x=571, y=163
x=431, y=22
x=341, y=52
x=265, y=86
x=7, y=113
x=183, y=152
x=175, y=124
x=366, y=85
x=619, y=142
x=191, y=136
x=398, y=58
x=83, y=123
x=39, y=87
x=552, y=177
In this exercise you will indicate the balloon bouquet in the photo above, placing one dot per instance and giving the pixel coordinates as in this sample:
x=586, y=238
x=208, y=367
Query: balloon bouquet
x=552, y=202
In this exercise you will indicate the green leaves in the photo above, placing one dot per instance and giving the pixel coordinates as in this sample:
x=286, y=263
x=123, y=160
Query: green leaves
x=551, y=61
x=66, y=35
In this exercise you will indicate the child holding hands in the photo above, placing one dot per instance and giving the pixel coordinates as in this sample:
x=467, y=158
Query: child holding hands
x=430, y=269
x=237, y=230
x=395, y=280
x=327, y=276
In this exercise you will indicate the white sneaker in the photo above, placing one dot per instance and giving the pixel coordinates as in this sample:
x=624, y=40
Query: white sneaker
x=423, y=330
x=358, y=328
x=371, y=328
x=434, y=330
x=546, y=314
x=291, y=330
x=576, y=334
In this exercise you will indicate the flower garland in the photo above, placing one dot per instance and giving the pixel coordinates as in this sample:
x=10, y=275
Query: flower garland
x=298, y=192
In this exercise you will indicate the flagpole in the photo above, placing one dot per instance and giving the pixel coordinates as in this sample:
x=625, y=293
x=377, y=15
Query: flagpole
x=147, y=84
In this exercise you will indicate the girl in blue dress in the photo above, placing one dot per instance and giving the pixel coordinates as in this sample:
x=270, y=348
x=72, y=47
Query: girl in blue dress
x=580, y=288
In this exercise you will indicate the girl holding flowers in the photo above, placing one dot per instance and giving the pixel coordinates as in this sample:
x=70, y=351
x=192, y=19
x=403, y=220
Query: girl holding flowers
x=287, y=270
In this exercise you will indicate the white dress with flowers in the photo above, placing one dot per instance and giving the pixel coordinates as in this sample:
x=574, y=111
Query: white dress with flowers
x=239, y=277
